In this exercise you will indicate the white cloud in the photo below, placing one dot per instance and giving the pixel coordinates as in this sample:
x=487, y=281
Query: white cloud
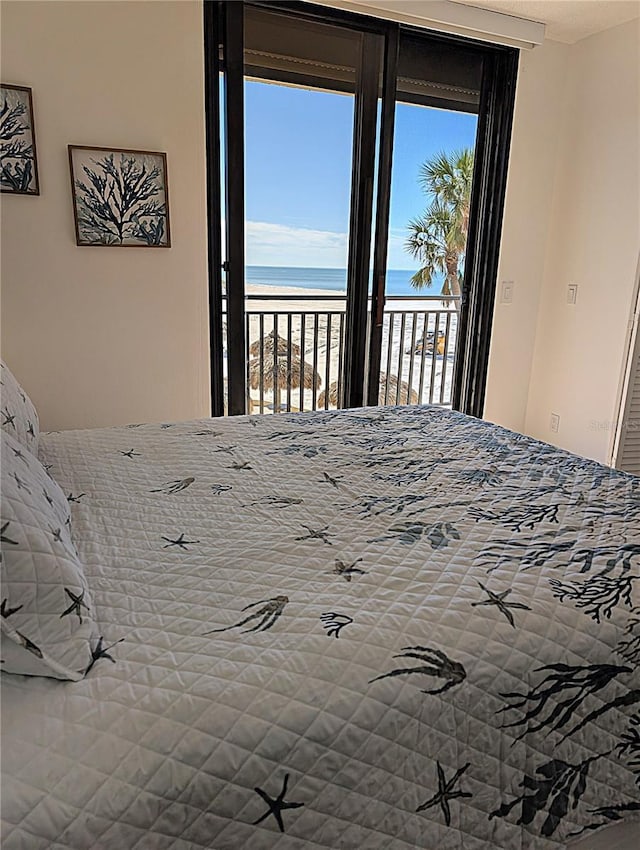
x=270, y=244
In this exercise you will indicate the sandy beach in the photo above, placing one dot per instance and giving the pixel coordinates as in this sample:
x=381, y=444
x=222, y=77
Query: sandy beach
x=317, y=314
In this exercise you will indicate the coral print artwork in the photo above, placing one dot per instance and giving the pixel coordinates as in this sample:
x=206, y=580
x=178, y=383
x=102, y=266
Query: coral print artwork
x=120, y=197
x=18, y=162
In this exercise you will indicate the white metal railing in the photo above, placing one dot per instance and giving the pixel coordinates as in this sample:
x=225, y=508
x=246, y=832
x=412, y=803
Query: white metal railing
x=295, y=351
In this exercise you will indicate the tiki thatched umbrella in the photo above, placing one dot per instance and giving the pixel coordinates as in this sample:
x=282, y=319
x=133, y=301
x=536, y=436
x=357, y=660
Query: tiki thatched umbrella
x=268, y=344
x=407, y=395
x=281, y=372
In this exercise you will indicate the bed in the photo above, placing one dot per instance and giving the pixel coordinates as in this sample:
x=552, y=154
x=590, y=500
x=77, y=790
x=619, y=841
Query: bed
x=385, y=628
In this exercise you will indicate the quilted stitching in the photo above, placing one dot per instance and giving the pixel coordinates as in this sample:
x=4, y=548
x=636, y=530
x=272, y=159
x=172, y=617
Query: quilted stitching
x=46, y=606
x=18, y=415
x=183, y=526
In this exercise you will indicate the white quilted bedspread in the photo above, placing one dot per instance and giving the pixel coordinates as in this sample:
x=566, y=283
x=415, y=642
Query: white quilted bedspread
x=378, y=629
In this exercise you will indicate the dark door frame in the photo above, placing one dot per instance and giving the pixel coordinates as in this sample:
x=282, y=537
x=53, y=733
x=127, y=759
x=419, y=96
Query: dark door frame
x=224, y=51
x=223, y=25
x=212, y=71
x=491, y=162
x=362, y=177
x=381, y=238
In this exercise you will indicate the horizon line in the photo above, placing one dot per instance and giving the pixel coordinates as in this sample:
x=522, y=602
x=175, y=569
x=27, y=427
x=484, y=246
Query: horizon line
x=324, y=268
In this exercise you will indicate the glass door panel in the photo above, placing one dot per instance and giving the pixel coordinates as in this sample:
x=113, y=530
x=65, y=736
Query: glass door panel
x=435, y=125
x=301, y=80
x=298, y=167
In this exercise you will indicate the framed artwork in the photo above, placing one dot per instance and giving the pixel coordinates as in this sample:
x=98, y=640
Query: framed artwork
x=120, y=197
x=18, y=160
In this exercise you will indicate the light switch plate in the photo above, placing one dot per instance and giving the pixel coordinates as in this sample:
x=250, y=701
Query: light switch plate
x=572, y=293
x=506, y=292
x=555, y=422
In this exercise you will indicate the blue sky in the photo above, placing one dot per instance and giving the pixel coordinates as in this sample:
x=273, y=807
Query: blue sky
x=298, y=173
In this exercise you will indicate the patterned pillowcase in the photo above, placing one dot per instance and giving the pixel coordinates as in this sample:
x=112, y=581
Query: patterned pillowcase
x=19, y=417
x=46, y=619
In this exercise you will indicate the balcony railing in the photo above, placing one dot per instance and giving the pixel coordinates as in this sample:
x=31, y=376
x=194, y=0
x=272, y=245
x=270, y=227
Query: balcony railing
x=296, y=351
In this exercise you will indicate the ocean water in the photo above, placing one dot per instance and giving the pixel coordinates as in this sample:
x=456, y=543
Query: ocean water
x=398, y=280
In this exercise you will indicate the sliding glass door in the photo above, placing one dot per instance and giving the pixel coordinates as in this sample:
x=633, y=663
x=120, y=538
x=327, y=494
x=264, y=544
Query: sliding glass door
x=298, y=172
x=340, y=269
x=435, y=113
x=301, y=102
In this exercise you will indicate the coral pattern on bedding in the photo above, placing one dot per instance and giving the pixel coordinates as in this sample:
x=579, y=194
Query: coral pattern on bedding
x=387, y=628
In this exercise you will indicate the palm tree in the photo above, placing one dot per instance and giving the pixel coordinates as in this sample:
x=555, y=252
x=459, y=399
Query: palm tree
x=438, y=238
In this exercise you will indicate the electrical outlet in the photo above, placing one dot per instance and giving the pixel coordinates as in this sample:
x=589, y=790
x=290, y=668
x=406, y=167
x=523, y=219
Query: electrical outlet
x=572, y=293
x=506, y=292
x=555, y=422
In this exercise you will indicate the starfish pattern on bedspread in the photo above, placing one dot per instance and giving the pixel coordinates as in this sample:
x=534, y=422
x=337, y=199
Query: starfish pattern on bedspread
x=333, y=480
x=56, y=533
x=77, y=604
x=9, y=418
x=498, y=599
x=180, y=542
x=444, y=530
x=102, y=651
x=322, y=534
x=446, y=792
x=276, y=805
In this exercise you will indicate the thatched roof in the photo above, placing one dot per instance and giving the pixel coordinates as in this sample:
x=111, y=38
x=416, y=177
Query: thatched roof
x=285, y=377
x=268, y=344
x=407, y=394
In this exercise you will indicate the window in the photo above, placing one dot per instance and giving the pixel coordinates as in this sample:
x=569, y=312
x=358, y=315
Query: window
x=332, y=125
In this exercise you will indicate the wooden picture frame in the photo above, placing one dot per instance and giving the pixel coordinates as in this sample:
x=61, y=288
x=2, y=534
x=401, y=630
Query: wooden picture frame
x=104, y=216
x=18, y=155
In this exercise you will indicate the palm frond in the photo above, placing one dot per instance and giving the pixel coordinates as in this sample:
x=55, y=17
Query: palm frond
x=422, y=279
x=437, y=239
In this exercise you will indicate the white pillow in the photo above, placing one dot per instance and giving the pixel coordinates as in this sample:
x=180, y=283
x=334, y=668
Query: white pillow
x=46, y=621
x=18, y=415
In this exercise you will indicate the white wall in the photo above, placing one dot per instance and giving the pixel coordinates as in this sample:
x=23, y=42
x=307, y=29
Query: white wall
x=594, y=241
x=102, y=336
x=526, y=229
